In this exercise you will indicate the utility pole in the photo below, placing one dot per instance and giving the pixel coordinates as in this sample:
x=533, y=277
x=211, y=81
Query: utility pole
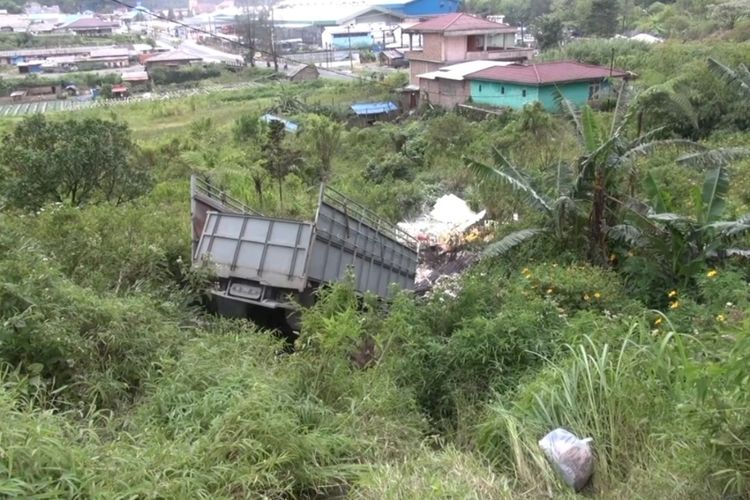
x=273, y=43
x=349, y=36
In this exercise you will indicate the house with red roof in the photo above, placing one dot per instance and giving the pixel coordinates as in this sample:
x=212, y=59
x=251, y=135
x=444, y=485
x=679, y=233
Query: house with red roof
x=515, y=85
x=459, y=37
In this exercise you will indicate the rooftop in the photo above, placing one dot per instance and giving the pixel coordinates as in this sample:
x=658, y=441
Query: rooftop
x=459, y=71
x=546, y=73
x=91, y=23
x=459, y=23
x=173, y=55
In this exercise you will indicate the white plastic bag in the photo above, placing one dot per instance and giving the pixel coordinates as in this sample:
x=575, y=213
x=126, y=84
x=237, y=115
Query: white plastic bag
x=572, y=457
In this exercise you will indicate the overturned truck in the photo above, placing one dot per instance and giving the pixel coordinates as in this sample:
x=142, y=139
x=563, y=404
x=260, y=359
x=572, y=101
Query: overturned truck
x=270, y=263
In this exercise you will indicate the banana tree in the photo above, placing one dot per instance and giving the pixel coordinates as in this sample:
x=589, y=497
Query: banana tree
x=737, y=79
x=606, y=170
x=562, y=218
x=584, y=200
x=677, y=247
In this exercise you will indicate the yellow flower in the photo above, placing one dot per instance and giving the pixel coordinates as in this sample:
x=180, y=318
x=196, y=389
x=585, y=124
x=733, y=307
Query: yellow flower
x=612, y=257
x=549, y=291
x=657, y=322
x=720, y=318
x=597, y=295
x=671, y=294
x=674, y=305
x=586, y=296
x=712, y=273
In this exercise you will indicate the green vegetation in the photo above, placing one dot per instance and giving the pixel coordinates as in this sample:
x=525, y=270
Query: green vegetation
x=624, y=318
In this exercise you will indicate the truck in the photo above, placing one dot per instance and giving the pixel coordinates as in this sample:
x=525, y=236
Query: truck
x=273, y=264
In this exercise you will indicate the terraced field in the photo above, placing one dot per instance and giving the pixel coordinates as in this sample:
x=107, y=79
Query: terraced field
x=25, y=108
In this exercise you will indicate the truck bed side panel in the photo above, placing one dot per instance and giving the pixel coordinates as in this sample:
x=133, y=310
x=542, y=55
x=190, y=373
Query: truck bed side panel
x=272, y=252
x=342, y=241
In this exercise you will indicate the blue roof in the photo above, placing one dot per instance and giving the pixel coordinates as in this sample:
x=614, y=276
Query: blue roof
x=374, y=108
x=289, y=126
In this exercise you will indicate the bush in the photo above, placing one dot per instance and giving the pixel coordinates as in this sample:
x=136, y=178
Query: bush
x=166, y=76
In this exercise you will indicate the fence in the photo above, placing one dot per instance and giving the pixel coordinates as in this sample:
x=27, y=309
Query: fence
x=24, y=108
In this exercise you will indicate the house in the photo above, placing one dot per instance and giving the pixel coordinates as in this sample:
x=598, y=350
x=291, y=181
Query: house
x=455, y=38
x=338, y=12
x=448, y=87
x=393, y=58
x=516, y=85
x=119, y=91
x=172, y=59
x=30, y=67
x=110, y=57
x=91, y=26
x=300, y=72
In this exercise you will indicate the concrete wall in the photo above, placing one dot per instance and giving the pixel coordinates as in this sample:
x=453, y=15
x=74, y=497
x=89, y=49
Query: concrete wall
x=416, y=68
x=455, y=48
x=444, y=93
x=432, y=46
x=577, y=93
x=503, y=94
x=511, y=94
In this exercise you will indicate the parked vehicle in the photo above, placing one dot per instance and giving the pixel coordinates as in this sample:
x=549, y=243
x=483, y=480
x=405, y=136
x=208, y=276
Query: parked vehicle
x=270, y=262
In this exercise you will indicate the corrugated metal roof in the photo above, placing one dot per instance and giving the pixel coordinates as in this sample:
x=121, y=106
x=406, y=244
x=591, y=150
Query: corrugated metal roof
x=459, y=22
x=459, y=71
x=545, y=73
x=91, y=23
x=373, y=108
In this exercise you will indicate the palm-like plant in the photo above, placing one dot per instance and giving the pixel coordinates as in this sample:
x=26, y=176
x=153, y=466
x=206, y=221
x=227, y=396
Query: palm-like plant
x=561, y=213
x=678, y=246
x=587, y=192
x=737, y=79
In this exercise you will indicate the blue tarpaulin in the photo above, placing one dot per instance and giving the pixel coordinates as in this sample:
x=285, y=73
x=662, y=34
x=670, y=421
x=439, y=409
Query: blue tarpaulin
x=289, y=126
x=373, y=108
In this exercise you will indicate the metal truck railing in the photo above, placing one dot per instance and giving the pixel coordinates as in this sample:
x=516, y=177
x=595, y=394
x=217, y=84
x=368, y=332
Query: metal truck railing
x=262, y=260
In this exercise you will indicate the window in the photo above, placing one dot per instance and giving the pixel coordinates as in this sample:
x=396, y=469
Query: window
x=523, y=93
x=502, y=90
x=480, y=87
x=594, y=89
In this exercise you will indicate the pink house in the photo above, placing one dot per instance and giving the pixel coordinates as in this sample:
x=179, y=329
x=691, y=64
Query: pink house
x=455, y=38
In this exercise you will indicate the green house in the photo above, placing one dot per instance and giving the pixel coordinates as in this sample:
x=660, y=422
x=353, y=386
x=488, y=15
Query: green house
x=515, y=85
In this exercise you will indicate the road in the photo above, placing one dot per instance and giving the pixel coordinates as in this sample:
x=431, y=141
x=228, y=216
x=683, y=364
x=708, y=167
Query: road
x=209, y=54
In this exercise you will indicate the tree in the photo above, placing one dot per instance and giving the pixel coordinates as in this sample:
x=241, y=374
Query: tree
x=591, y=188
x=673, y=248
x=70, y=161
x=323, y=137
x=737, y=79
x=249, y=132
x=279, y=159
x=548, y=32
x=601, y=19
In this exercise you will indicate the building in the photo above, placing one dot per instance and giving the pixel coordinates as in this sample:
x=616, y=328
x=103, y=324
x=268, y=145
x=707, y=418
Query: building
x=455, y=38
x=338, y=12
x=300, y=72
x=91, y=26
x=110, y=57
x=448, y=86
x=516, y=85
x=393, y=58
x=171, y=59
